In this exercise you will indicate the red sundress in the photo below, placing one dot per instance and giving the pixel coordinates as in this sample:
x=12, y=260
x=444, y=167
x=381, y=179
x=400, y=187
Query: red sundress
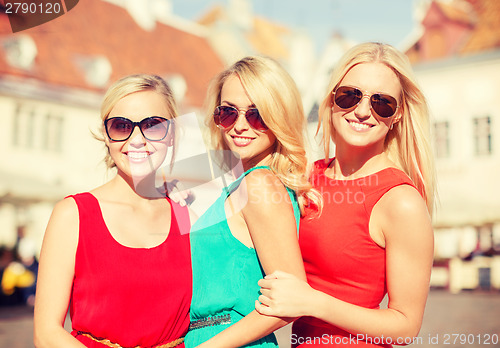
x=130, y=296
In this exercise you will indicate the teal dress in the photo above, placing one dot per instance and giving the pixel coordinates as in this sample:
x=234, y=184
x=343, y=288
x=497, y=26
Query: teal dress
x=225, y=273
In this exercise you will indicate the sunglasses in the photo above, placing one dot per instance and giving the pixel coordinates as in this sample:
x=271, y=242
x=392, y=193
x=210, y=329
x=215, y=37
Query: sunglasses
x=226, y=116
x=348, y=97
x=152, y=128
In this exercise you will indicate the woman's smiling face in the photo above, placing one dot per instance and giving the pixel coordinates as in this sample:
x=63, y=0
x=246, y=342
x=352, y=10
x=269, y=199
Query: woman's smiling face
x=253, y=147
x=360, y=126
x=138, y=157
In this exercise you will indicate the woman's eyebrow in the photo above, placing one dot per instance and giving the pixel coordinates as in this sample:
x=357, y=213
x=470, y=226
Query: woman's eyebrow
x=234, y=105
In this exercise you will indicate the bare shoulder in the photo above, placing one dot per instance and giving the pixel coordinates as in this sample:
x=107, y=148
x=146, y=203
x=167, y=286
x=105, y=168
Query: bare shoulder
x=264, y=180
x=403, y=209
x=64, y=221
x=66, y=209
x=265, y=191
x=402, y=200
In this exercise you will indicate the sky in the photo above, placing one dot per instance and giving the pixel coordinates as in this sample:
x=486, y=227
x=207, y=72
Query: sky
x=389, y=21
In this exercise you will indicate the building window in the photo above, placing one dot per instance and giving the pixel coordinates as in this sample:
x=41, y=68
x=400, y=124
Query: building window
x=37, y=129
x=442, y=139
x=24, y=127
x=52, y=133
x=482, y=136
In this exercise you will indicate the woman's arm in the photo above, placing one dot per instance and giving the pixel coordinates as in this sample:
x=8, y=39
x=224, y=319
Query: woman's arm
x=270, y=220
x=402, y=217
x=55, y=278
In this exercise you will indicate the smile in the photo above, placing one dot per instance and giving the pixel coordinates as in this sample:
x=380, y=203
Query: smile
x=138, y=155
x=241, y=141
x=359, y=127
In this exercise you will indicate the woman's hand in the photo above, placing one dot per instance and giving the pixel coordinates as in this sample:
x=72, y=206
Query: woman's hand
x=176, y=191
x=283, y=295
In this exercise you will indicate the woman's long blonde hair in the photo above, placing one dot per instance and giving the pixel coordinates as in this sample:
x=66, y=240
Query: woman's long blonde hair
x=408, y=143
x=275, y=95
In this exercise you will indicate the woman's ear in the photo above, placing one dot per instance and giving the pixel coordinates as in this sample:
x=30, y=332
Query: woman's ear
x=399, y=115
x=105, y=136
x=171, y=136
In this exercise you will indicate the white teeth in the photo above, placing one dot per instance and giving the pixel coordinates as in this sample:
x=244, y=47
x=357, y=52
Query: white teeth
x=240, y=141
x=137, y=155
x=359, y=126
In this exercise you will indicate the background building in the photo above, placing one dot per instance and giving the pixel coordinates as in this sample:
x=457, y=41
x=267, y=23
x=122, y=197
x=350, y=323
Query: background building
x=52, y=79
x=457, y=60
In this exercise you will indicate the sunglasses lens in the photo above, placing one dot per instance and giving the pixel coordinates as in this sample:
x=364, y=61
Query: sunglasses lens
x=155, y=128
x=255, y=120
x=347, y=97
x=118, y=128
x=225, y=116
x=384, y=105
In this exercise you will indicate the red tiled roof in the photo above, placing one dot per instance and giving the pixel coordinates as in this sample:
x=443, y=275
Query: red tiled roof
x=452, y=30
x=269, y=38
x=265, y=37
x=486, y=34
x=212, y=16
x=97, y=28
x=455, y=13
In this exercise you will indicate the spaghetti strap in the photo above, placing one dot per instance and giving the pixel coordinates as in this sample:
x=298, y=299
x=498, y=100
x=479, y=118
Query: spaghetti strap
x=234, y=185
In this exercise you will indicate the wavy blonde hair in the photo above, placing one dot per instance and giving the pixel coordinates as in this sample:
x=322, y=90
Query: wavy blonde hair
x=274, y=93
x=408, y=143
x=131, y=84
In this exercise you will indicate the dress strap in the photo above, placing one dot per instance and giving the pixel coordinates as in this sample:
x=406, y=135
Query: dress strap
x=257, y=167
x=293, y=196
x=378, y=184
x=180, y=217
x=234, y=185
x=88, y=208
x=91, y=224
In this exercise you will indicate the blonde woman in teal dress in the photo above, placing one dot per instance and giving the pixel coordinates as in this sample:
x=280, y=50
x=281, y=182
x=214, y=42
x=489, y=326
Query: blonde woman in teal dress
x=251, y=230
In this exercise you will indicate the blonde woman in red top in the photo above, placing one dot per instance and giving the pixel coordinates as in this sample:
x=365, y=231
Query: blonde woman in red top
x=374, y=236
x=119, y=255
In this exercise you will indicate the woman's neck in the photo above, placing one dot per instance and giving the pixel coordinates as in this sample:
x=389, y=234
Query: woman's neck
x=138, y=189
x=264, y=160
x=355, y=163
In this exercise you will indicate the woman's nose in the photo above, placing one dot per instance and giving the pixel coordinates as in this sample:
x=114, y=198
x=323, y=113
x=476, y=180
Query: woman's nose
x=136, y=138
x=363, y=109
x=241, y=123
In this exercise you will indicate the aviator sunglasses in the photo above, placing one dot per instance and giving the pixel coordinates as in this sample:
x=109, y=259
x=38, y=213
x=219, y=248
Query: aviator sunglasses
x=152, y=128
x=347, y=97
x=226, y=116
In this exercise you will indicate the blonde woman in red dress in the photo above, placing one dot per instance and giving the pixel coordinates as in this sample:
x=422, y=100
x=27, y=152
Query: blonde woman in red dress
x=119, y=255
x=374, y=236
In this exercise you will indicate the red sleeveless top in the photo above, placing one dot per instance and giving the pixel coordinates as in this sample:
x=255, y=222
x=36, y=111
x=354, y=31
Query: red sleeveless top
x=340, y=257
x=130, y=296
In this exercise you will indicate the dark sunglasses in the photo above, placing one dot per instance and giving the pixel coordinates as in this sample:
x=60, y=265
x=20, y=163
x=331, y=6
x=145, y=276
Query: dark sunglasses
x=152, y=128
x=348, y=97
x=226, y=116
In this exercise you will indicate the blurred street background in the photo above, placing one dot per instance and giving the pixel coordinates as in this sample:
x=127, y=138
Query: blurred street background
x=472, y=316
x=53, y=77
